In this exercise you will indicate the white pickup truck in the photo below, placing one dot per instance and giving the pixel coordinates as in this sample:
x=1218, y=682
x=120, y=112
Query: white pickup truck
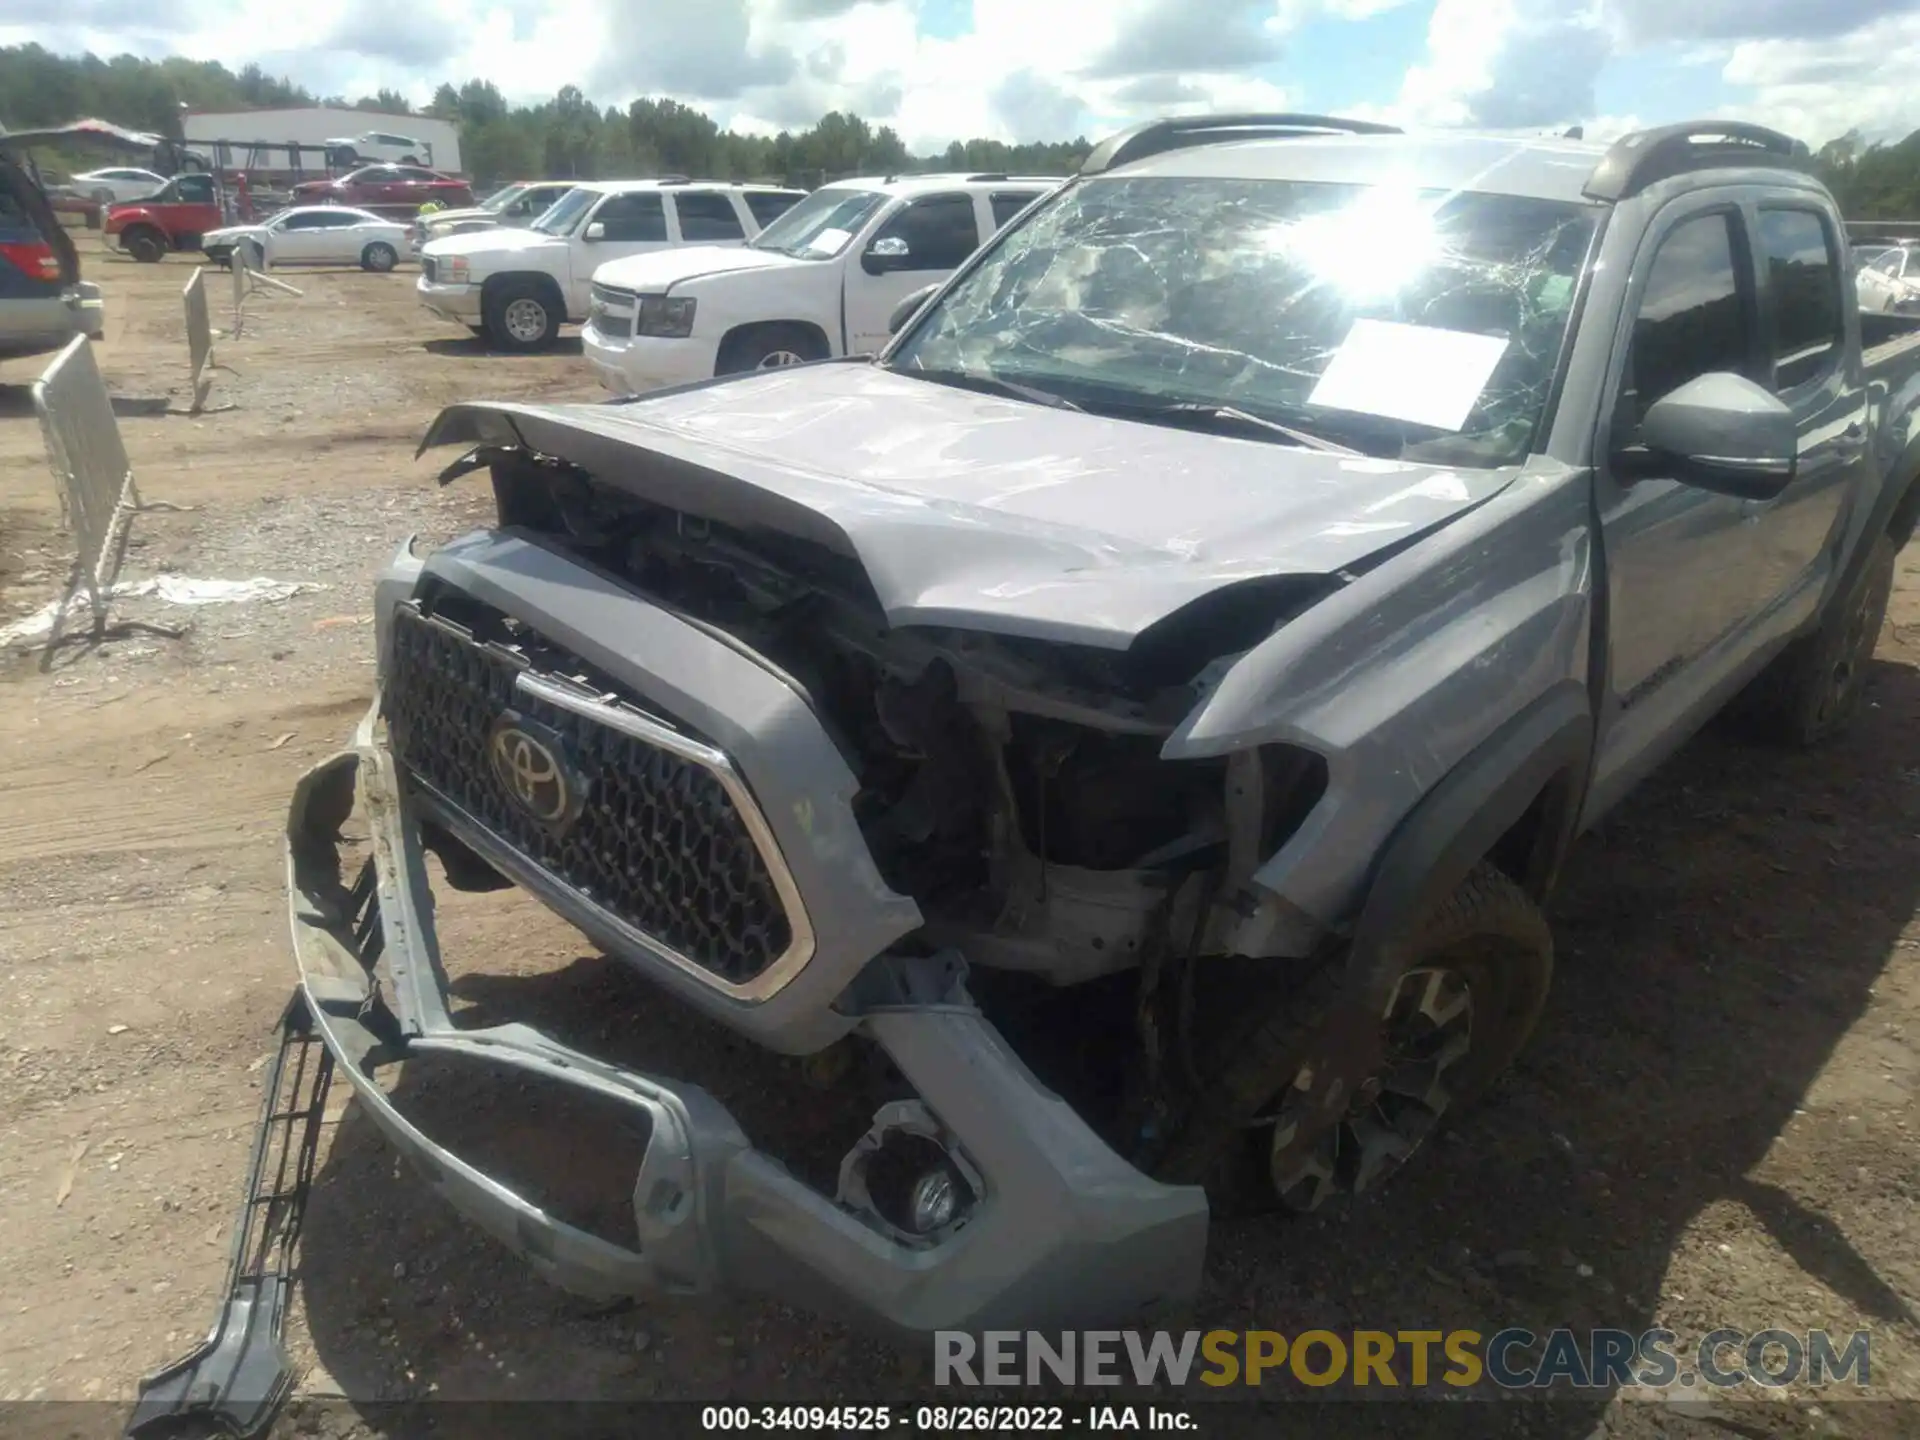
x=820, y=281
x=518, y=287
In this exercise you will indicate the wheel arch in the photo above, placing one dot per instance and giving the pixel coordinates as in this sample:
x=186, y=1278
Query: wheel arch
x=1515, y=800
x=494, y=284
x=747, y=330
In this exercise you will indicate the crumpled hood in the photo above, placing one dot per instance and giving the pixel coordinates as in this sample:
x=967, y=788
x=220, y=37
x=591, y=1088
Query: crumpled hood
x=652, y=274
x=498, y=241
x=985, y=513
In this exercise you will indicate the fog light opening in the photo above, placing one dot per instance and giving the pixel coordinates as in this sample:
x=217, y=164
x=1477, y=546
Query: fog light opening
x=908, y=1177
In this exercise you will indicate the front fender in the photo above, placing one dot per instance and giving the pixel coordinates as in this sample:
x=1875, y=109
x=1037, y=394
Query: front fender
x=1399, y=676
x=119, y=218
x=732, y=304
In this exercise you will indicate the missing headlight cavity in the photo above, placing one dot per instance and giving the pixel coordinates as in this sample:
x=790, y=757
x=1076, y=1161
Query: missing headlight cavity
x=572, y=1153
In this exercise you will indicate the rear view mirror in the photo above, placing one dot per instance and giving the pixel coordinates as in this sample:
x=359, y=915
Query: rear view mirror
x=595, y=231
x=905, y=310
x=889, y=252
x=1719, y=432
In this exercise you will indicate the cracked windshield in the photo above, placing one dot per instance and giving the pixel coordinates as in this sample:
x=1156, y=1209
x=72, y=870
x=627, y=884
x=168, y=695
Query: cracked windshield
x=1404, y=324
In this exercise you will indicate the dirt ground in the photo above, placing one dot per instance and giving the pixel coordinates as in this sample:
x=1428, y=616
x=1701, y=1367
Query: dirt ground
x=1714, y=1127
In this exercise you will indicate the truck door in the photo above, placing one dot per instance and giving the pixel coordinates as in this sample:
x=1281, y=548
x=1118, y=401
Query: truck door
x=1677, y=589
x=1811, y=369
x=623, y=225
x=922, y=242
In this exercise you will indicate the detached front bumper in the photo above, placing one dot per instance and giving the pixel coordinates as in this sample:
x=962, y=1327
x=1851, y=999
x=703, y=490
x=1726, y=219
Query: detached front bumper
x=1065, y=1234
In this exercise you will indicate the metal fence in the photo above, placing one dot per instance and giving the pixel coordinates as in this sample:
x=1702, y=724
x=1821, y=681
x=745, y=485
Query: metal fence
x=89, y=462
x=246, y=262
x=199, y=339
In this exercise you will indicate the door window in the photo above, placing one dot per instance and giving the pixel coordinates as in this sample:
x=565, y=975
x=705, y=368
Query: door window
x=1695, y=316
x=769, y=205
x=632, y=218
x=941, y=232
x=194, y=189
x=707, y=217
x=1005, y=207
x=1803, y=281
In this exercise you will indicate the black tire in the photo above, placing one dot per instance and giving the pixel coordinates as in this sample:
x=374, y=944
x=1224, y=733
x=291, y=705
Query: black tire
x=220, y=255
x=409, y=159
x=1487, y=935
x=145, y=244
x=346, y=156
x=1814, y=687
x=509, y=310
x=379, y=257
x=763, y=347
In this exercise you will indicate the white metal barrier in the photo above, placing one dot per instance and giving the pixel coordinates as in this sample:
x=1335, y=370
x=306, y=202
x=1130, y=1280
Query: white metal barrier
x=249, y=278
x=98, y=496
x=199, y=339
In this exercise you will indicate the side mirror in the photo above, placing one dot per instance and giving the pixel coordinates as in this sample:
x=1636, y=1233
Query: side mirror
x=906, y=309
x=595, y=231
x=889, y=252
x=1718, y=432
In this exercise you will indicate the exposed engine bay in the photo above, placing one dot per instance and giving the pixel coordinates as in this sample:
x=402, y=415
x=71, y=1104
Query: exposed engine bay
x=1013, y=788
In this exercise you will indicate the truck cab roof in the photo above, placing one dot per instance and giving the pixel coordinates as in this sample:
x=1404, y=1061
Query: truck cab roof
x=1311, y=148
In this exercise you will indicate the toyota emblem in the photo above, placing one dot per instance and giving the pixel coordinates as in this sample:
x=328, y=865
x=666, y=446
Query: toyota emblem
x=530, y=764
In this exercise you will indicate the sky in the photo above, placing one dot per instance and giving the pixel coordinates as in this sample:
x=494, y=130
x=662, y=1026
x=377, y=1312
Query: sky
x=937, y=70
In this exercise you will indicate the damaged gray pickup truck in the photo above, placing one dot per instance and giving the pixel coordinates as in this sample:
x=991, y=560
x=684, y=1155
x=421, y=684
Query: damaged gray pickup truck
x=1222, y=603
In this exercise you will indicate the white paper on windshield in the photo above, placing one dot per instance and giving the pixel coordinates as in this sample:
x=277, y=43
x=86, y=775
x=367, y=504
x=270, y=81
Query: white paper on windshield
x=1409, y=372
x=829, y=240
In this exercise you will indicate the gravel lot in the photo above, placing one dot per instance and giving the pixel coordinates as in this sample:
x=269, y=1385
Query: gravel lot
x=1715, y=1126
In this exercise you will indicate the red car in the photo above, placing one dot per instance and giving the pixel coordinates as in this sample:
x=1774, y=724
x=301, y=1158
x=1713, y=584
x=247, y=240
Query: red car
x=385, y=185
x=172, y=218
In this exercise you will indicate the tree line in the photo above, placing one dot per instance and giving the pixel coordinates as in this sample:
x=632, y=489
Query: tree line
x=566, y=137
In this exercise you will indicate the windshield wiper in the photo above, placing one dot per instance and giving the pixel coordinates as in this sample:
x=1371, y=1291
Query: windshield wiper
x=1227, y=417
x=994, y=385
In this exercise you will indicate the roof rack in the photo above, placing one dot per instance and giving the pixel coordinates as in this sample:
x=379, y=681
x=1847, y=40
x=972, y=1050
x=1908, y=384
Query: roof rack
x=1180, y=132
x=1636, y=161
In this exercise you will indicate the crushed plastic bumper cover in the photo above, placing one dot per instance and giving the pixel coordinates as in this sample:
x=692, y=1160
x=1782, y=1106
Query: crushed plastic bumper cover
x=1066, y=1234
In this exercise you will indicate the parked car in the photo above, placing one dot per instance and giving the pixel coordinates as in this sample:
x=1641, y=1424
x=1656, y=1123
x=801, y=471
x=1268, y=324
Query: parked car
x=377, y=145
x=819, y=281
x=313, y=235
x=1891, y=279
x=174, y=217
x=518, y=287
x=116, y=183
x=391, y=186
x=517, y=204
x=1224, y=600
x=43, y=301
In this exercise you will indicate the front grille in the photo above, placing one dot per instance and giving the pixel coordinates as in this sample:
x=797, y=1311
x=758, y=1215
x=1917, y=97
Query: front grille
x=612, y=312
x=658, y=842
x=427, y=268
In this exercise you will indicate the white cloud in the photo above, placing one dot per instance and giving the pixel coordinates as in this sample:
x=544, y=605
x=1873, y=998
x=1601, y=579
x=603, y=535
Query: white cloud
x=1030, y=68
x=1506, y=64
x=1819, y=89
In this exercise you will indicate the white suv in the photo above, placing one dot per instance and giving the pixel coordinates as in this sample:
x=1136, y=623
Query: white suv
x=820, y=281
x=517, y=287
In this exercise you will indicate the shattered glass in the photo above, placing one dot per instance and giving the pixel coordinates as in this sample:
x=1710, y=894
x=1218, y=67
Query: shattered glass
x=1132, y=293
